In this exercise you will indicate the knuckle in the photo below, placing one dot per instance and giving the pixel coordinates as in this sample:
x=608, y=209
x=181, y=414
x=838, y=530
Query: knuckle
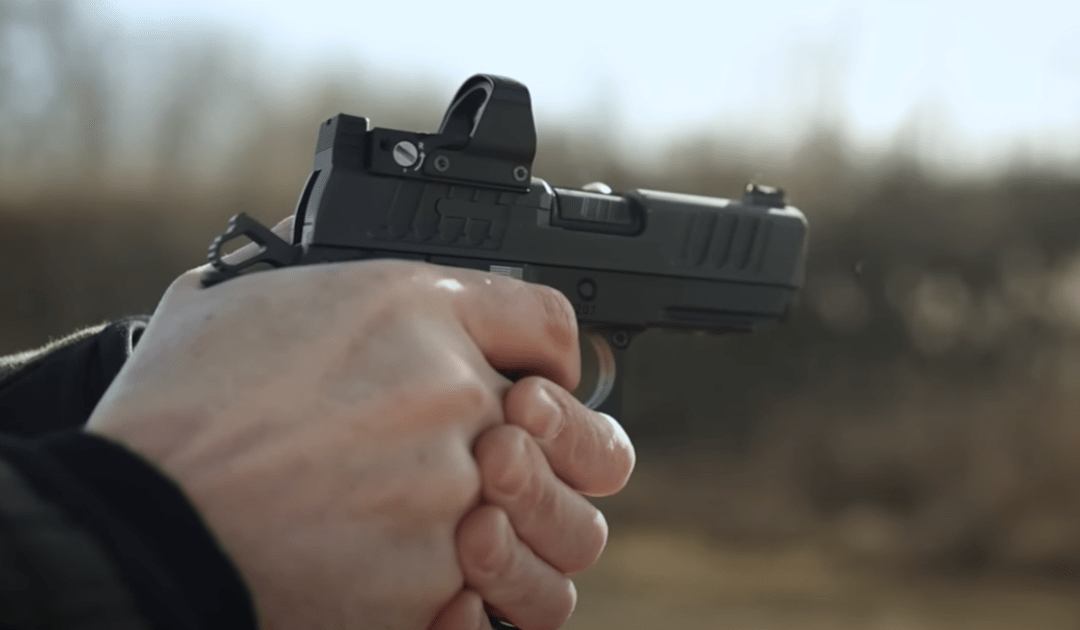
x=574, y=416
x=531, y=386
x=537, y=409
x=474, y=397
x=441, y=398
x=503, y=459
x=485, y=546
x=456, y=384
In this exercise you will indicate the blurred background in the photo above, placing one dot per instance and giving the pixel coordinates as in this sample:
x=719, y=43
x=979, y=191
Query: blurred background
x=905, y=453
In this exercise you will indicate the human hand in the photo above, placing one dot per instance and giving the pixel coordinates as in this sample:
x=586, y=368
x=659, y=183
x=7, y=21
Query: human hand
x=322, y=420
x=535, y=528
x=518, y=549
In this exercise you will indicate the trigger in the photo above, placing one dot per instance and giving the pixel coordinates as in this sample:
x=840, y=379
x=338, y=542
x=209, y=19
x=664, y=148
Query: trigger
x=598, y=370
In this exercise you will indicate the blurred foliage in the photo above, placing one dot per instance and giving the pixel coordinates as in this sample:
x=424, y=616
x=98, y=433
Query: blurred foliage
x=920, y=408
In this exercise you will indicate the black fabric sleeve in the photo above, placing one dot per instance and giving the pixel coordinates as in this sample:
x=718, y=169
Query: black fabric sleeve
x=104, y=525
x=57, y=386
x=53, y=573
x=177, y=574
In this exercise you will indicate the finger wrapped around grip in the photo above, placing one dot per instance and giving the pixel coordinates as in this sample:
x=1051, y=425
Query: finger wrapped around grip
x=524, y=589
x=464, y=612
x=556, y=522
x=588, y=450
x=520, y=327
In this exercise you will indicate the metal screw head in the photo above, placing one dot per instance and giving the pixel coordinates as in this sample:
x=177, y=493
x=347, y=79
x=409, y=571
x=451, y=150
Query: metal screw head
x=620, y=339
x=405, y=153
x=441, y=163
x=521, y=173
x=586, y=289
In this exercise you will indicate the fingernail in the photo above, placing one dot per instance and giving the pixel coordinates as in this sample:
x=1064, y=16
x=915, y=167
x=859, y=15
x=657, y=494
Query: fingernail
x=553, y=416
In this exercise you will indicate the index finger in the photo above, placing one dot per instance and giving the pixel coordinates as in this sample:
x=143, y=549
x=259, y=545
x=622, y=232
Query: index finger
x=520, y=327
x=588, y=450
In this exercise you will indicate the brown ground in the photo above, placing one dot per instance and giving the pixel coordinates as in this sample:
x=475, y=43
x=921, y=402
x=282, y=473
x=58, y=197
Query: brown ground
x=653, y=578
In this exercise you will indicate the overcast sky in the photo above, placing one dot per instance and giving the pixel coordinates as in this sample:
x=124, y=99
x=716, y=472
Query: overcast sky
x=988, y=77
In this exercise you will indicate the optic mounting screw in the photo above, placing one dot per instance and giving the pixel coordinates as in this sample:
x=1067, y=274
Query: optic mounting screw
x=620, y=339
x=442, y=163
x=521, y=173
x=405, y=153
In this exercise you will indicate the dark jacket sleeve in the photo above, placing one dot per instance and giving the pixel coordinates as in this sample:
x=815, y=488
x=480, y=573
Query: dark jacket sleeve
x=91, y=535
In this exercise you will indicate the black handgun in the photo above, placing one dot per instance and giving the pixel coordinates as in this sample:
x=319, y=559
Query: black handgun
x=465, y=196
